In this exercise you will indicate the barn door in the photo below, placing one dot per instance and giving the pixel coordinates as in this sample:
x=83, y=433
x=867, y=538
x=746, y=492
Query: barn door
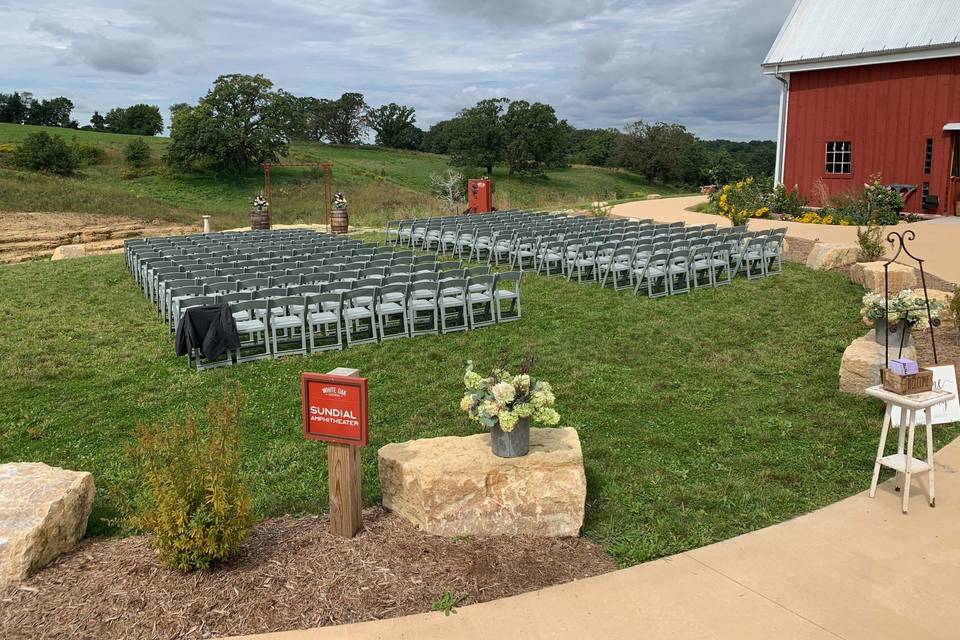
x=954, y=196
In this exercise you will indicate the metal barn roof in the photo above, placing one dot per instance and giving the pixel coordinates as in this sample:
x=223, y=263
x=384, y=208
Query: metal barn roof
x=821, y=33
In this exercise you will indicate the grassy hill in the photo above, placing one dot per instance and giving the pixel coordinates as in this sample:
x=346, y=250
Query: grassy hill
x=380, y=184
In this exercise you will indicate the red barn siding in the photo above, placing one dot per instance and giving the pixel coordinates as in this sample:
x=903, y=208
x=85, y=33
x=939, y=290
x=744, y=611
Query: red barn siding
x=886, y=111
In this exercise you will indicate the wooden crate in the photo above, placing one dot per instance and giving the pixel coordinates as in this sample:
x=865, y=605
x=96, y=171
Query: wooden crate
x=909, y=384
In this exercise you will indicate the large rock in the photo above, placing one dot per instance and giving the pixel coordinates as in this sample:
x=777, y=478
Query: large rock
x=870, y=275
x=862, y=361
x=947, y=320
x=43, y=512
x=827, y=255
x=455, y=486
x=67, y=251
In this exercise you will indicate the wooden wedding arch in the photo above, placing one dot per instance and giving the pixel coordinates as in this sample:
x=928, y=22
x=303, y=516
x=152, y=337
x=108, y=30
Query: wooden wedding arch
x=327, y=168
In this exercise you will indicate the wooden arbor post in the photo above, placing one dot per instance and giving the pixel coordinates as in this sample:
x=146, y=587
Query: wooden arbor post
x=327, y=168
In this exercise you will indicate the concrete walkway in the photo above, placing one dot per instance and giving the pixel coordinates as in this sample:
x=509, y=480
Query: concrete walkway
x=855, y=569
x=937, y=242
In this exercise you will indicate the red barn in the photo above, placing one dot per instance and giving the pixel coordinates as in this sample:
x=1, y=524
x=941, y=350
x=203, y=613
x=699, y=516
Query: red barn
x=870, y=87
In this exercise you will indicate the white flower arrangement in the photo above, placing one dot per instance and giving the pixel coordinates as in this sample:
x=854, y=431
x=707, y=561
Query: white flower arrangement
x=339, y=201
x=506, y=399
x=260, y=203
x=904, y=306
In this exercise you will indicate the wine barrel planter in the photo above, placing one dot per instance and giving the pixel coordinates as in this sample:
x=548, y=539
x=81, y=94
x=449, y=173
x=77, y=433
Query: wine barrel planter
x=339, y=221
x=259, y=220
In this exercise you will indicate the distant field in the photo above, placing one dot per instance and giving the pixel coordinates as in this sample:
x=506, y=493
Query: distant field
x=380, y=184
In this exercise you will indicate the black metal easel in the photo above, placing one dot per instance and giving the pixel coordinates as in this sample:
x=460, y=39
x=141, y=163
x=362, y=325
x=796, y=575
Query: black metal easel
x=899, y=241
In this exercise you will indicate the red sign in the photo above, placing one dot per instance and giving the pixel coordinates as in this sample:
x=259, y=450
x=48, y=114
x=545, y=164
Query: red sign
x=334, y=408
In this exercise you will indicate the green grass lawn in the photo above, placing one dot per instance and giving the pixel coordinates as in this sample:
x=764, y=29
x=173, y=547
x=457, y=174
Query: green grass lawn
x=380, y=184
x=701, y=416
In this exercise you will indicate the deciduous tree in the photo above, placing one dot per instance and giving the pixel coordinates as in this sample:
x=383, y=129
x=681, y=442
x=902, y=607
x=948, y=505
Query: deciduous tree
x=394, y=126
x=345, y=119
x=476, y=136
x=535, y=139
x=241, y=121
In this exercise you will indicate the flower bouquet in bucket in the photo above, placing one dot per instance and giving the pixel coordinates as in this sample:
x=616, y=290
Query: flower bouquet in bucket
x=507, y=404
x=903, y=312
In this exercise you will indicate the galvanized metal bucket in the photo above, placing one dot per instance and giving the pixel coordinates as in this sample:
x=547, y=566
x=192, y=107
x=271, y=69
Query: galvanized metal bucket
x=511, y=444
x=896, y=333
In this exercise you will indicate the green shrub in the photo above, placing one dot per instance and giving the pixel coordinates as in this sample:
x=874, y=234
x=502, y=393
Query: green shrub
x=192, y=498
x=875, y=203
x=787, y=201
x=870, y=247
x=41, y=151
x=882, y=203
x=744, y=199
x=86, y=153
x=137, y=152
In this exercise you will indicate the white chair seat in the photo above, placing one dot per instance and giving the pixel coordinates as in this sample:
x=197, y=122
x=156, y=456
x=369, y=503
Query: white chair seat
x=322, y=317
x=357, y=313
x=420, y=304
x=450, y=301
x=393, y=296
x=250, y=326
x=503, y=294
x=478, y=298
x=286, y=322
x=241, y=316
x=390, y=307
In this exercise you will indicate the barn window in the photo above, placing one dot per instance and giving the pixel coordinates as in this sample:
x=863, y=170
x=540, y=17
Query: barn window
x=838, y=157
x=928, y=157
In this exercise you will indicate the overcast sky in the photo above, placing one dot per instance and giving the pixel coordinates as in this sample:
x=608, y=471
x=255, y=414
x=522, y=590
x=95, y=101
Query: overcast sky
x=600, y=63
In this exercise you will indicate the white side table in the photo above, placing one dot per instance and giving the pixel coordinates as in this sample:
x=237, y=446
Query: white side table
x=903, y=461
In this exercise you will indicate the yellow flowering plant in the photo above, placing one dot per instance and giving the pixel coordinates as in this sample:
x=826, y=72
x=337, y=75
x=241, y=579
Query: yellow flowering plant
x=742, y=200
x=507, y=399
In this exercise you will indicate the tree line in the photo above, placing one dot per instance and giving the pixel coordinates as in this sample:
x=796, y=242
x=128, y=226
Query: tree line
x=20, y=107
x=244, y=120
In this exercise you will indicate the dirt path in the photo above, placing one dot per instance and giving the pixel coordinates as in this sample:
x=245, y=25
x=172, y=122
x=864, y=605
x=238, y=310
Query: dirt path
x=34, y=235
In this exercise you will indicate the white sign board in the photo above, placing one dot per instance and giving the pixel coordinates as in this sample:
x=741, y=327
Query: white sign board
x=944, y=379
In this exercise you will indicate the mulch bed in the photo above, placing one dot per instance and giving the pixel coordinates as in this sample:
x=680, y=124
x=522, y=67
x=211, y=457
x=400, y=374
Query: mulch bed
x=290, y=574
x=948, y=347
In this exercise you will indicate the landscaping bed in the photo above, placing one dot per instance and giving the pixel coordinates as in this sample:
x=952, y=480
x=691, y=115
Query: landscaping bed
x=291, y=573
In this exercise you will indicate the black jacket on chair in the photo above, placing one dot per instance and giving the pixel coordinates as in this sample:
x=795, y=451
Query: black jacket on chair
x=210, y=328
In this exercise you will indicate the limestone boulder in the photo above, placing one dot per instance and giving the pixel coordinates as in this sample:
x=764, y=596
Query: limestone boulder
x=67, y=251
x=862, y=361
x=43, y=512
x=829, y=255
x=947, y=321
x=454, y=486
x=870, y=276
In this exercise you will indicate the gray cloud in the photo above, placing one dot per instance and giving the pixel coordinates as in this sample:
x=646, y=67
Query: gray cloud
x=100, y=52
x=601, y=63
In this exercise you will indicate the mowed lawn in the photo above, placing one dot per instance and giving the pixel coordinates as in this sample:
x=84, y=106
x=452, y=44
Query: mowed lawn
x=701, y=416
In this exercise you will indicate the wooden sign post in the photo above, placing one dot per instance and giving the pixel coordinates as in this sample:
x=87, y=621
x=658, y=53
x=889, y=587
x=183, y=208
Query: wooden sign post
x=335, y=411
